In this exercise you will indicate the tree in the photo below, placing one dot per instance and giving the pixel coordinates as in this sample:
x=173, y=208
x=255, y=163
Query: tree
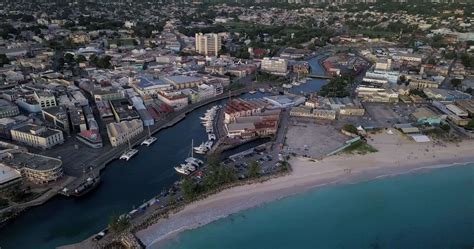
x=336, y=87
x=4, y=60
x=470, y=125
x=69, y=58
x=254, y=169
x=445, y=127
x=104, y=62
x=190, y=189
x=3, y=203
x=456, y=83
x=118, y=224
x=80, y=58
x=403, y=78
x=350, y=128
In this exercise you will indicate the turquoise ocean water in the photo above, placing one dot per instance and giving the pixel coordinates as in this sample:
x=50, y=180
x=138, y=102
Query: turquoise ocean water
x=434, y=209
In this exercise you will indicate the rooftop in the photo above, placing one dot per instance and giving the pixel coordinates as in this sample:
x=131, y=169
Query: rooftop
x=32, y=161
x=37, y=130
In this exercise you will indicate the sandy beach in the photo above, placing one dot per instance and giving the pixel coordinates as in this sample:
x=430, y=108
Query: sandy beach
x=396, y=155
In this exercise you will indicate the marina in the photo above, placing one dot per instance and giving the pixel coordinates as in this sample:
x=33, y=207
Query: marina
x=208, y=122
x=148, y=178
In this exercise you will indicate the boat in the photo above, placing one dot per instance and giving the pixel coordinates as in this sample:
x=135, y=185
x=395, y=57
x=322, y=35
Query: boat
x=262, y=90
x=127, y=155
x=295, y=83
x=288, y=86
x=208, y=144
x=150, y=139
x=182, y=170
x=252, y=92
x=90, y=184
x=201, y=149
x=194, y=160
x=211, y=136
x=191, y=164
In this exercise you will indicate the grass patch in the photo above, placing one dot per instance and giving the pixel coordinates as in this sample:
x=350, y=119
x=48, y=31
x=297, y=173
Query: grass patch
x=360, y=148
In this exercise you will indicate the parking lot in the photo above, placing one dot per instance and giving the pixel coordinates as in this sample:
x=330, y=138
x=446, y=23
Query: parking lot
x=313, y=139
x=385, y=115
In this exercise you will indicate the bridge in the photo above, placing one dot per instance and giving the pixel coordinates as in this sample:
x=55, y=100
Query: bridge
x=320, y=76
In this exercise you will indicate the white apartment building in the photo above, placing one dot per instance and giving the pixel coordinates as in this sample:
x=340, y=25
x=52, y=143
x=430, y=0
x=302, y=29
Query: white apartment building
x=37, y=136
x=274, y=65
x=208, y=44
x=121, y=133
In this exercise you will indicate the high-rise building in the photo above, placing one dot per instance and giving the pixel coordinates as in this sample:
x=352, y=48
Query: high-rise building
x=208, y=44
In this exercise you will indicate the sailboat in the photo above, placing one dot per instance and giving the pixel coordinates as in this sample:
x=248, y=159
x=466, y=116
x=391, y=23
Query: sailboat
x=87, y=184
x=150, y=139
x=191, y=164
x=128, y=154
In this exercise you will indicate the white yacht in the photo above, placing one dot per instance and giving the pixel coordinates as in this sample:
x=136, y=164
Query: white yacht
x=149, y=141
x=211, y=136
x=194, y=161
x=288, y=86
x=181, y=170
x=262, y=90
x=201, y=149
x=252, y=92
x=127, y=155
x=188, y=166
x=208, y=144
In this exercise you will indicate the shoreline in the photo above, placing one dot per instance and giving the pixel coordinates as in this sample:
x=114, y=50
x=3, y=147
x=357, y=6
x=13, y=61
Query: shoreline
x=309, y=176
x=157, y=243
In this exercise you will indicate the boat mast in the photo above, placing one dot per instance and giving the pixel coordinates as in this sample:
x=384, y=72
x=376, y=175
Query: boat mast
x=192, y=145
x=149, y=133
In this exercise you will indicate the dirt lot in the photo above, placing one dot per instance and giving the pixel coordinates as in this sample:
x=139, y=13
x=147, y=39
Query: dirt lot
x=313, y=139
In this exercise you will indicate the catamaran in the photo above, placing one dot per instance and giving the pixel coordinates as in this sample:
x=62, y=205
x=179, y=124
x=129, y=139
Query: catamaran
x=150, y=139
x=128, y=154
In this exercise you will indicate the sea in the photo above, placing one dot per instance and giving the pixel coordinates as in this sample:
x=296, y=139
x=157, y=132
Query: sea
x=433, y=209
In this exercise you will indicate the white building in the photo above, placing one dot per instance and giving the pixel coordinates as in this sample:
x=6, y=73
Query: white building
x=176, y=99
x=45, y=99
x=208, y=44
x=121, y=133
x=274, y=65
x=37, y=136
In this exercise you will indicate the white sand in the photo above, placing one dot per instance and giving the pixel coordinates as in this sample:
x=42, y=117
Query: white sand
x=396, y=155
